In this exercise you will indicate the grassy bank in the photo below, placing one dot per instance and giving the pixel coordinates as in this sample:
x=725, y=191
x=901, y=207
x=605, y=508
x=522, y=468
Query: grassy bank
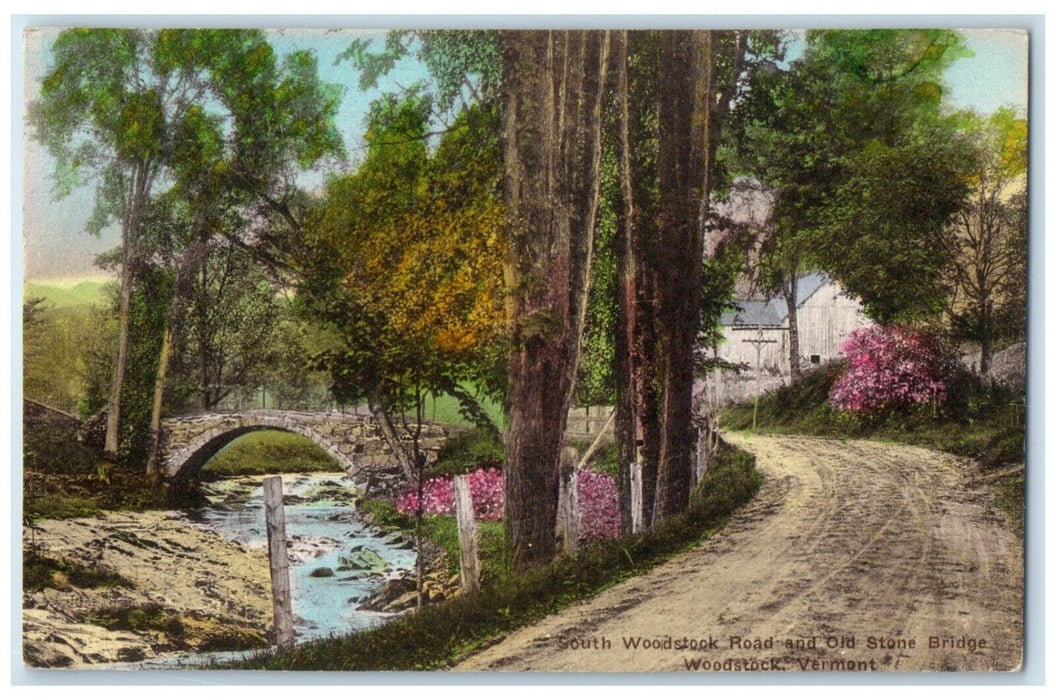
x=983, y=423
x=442, y=530
x=270, y=452
x=438, y=635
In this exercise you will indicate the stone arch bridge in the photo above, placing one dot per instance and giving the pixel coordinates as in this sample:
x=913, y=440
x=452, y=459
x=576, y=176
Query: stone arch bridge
x=354, y=440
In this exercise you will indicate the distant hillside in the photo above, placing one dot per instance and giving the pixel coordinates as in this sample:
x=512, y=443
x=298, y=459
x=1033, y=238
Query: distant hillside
x=86, y=293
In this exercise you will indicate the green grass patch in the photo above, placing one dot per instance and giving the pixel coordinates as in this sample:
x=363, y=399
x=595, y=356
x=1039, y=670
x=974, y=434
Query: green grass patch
x=40, y=572
x=468, y=450
x=442, y=530
x=58, y=295
x=383, y=513
x=136, y=618
x=446, y=409
x=57, y=505
x=439, y=634
x=270, y=452
x=1009, y=494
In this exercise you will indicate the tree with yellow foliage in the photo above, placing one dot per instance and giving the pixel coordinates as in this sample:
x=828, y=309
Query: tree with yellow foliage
x=402, y=263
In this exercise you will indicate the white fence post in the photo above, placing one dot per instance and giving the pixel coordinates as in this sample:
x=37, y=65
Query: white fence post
x=467, y=535
x=569, y=504
x=636, y=498
x=277, y=558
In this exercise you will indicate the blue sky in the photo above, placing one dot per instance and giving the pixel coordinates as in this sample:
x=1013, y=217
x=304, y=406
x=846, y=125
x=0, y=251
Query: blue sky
x=57, y=248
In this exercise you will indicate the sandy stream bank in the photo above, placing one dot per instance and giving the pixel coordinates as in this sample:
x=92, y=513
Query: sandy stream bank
x=179, y=584
x=219, y=587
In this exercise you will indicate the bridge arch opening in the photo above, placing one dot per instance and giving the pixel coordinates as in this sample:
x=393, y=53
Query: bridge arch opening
x=190, y=463
x=268, y=451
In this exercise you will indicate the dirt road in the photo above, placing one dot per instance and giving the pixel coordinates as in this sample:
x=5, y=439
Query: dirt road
x=853, y=556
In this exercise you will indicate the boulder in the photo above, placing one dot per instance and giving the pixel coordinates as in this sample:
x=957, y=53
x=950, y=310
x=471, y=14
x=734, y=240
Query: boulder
x=364, y=560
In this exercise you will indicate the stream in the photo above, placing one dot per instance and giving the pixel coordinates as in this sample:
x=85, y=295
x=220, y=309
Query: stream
x=336, y=560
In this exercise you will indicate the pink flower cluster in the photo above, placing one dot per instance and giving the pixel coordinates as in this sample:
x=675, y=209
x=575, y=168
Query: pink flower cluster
x=888, y=367
x=486, y=486
x=438, y=498
x=488, y=489
x=599, y=506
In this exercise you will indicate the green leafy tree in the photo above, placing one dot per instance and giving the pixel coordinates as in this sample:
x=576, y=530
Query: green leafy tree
x=152, y=288
x=986, y=242
x=100, y=110
x=864, y=169
x=464, y=65
x=231, y=323
x=193, y=110
x=401, y=264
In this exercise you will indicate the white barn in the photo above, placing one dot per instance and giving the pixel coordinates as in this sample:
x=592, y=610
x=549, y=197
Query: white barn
x=826, y=316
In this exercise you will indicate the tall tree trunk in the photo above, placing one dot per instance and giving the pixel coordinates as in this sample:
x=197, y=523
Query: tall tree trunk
x=626, y=288
x=117, y=382
x=637, y=414
x=791, y=292
x=129, y=238
x=684, y=131
x=188, y=267
x=552, y=147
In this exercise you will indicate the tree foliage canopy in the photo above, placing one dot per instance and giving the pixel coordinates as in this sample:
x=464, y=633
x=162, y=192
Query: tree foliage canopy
x=202, y=109
x=866, y=169
x=404, y=260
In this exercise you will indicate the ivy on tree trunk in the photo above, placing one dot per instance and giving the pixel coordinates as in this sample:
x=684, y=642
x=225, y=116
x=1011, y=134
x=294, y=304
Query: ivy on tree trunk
x=553, y=83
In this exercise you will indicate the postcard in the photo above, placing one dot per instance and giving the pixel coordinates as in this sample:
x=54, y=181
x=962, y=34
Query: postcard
x=697, y=351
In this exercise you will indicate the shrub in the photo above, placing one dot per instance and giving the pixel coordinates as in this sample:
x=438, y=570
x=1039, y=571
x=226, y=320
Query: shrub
x=889, y=368
x=486, y=486
x=468, y=450
x=599, y=506
x=598, y=501
x=438, y=498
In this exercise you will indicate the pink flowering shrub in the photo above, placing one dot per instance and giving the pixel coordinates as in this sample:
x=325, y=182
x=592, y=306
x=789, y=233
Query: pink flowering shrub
x=887, y=368
x=486, y=486
x=438, y=498
x=488, y=489
x=599, y=506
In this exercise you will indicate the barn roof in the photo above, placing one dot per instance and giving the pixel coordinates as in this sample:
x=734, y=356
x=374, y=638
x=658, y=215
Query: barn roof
x=773, y=312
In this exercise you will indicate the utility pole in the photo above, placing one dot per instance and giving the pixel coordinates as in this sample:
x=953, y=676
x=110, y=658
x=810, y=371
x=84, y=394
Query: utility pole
x=759, y=341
